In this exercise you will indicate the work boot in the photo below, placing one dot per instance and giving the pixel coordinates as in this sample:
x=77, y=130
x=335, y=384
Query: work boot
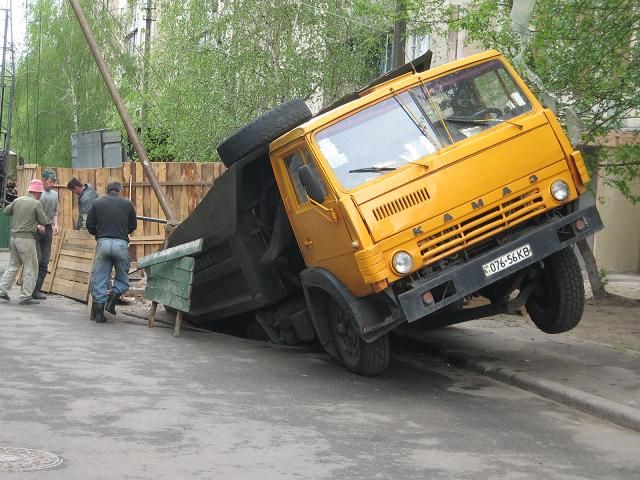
x=112, y=302
x=5, y=296
x=98, y=312
x=38, y=295
x=28, y=301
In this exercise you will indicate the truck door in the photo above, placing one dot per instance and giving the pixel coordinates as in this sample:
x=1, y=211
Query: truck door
x=322, y=239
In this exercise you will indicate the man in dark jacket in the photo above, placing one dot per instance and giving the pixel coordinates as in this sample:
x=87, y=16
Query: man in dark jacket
x=111, y=219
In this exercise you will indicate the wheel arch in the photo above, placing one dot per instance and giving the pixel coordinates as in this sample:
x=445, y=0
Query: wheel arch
x=319, y=285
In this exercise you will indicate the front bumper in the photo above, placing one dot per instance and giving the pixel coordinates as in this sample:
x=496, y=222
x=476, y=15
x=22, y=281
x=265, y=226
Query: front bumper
x=465, y=279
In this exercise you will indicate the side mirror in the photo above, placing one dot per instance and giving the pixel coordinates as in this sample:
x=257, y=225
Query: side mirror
x=312, y=183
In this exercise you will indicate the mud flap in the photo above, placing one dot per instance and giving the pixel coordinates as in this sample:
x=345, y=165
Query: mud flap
x=370, y=319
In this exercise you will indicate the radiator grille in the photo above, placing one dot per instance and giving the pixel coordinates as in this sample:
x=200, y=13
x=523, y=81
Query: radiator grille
x=401, y=203
x=479, y=227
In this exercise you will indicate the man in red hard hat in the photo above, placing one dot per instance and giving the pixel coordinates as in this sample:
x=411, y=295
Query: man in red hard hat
x=28, y=218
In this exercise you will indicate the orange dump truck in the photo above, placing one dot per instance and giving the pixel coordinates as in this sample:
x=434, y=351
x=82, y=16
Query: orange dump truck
x=398, y=204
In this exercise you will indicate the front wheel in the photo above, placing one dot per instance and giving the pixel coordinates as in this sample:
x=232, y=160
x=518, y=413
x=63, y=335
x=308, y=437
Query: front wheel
x=366, y=359
x=557, y=304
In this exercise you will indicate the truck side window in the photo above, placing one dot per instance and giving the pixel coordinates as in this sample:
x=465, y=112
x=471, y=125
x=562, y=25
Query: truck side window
x=293, y=162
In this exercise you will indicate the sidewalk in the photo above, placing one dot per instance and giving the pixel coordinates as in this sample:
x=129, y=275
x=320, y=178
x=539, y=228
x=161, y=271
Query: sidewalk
x=595, y=367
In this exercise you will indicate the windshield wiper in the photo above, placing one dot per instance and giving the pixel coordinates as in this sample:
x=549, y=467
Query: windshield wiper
x=372, y=169
x=472, y=121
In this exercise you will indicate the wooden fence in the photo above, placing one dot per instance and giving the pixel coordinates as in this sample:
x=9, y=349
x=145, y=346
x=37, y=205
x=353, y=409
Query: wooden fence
x=183, y=184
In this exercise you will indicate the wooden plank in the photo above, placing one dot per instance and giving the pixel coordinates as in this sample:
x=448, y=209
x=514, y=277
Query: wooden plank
x=70, y=263
x=138, y=198
x=165, y=298
x=79, y=244
x=173, y=274
x=70, y=289
x=127, y=180
x=174, y=183
x=184, y=263
x=176, y=329
x=73, y=276
x=25, y=174
x=183, y=250
x=184, y=192
x=146, y=209
x=152, y=315
x=180, y=289
x=152, y=239
x=79, y=234
x=61, y=237
x=161, y=174
x=173, y=193
x=67, y=209
x=56, y=245
x=101, y=181
x=87, y=254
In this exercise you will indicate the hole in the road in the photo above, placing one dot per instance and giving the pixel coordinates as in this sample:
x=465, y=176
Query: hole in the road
x=242, y=326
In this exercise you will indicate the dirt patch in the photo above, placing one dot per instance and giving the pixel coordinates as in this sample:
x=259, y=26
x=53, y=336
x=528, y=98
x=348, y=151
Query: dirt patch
x=614, y=322
x=611, y=322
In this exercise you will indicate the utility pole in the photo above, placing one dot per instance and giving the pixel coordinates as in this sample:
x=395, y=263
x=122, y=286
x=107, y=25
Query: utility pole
x=124, y=115
x=399, y=35
x=7, y=72
x=145, y=71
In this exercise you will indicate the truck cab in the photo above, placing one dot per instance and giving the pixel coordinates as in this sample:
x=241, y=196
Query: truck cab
x=424, y=190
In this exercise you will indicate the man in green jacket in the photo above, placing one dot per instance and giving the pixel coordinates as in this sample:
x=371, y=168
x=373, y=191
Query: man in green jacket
x=28, y=218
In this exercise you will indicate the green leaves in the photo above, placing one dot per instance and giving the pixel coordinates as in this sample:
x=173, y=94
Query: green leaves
x=223, y=67
x=587, y=54
x=213, y=67
x=58, y=87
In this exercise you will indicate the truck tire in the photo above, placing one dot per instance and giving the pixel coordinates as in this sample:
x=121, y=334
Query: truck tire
x=366, y=359
x=262, y=131
x=558, y=305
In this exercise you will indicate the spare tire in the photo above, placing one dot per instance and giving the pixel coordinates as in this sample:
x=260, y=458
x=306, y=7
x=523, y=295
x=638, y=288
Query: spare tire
x=262, y=131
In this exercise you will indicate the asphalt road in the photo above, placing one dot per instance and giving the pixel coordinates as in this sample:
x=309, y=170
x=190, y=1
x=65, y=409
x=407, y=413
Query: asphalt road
x=123, y=401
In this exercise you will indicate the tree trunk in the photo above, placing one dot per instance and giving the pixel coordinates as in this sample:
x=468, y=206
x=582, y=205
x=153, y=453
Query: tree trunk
x=592, y=269
x=398, y=56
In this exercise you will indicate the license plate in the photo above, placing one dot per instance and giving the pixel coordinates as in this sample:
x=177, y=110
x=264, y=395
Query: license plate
x=507, y=260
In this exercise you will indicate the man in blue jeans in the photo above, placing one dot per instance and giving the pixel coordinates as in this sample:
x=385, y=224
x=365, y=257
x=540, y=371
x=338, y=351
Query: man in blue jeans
x=111, y=219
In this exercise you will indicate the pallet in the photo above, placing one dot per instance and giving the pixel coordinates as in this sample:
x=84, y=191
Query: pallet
x=72, y=265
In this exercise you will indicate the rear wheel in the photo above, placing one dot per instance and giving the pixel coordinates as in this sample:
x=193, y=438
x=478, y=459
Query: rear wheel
x=367, y=359
x=557, y=304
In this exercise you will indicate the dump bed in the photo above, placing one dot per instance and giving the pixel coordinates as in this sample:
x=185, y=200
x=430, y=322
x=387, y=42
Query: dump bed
x=236, y=220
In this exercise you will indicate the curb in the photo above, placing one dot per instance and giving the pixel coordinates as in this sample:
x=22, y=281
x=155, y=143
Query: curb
x=613, y=412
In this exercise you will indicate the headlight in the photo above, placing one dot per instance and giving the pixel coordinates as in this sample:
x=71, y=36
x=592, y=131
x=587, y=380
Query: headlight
x=560, y=190
x=402, y=262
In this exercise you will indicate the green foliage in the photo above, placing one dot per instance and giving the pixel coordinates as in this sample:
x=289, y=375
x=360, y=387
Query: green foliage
x=620, y=168
x=213, y=66
x=222, y=68
x=58, y=87
x=603, y=274
x=587, y=54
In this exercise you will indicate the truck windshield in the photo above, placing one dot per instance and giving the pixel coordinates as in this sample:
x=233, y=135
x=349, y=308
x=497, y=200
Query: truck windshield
x=412, y=124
